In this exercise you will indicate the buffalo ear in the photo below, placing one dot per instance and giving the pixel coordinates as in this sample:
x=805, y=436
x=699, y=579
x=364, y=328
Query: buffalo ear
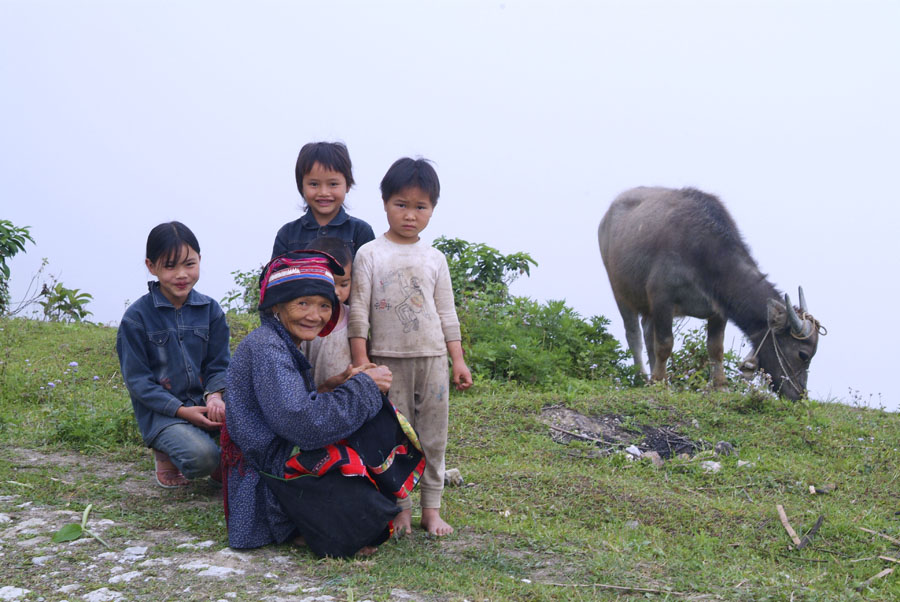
x=776, y=315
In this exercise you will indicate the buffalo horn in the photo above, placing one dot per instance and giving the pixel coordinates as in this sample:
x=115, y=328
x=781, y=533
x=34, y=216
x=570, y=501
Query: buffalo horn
x=798, y=326
x=803, y=307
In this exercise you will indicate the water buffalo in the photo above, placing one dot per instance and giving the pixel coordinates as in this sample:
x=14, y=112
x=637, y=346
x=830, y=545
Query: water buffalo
x=679, y=253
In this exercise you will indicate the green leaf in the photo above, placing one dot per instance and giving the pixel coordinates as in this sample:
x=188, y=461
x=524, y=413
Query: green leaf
x=85, y=515
x=70, y=532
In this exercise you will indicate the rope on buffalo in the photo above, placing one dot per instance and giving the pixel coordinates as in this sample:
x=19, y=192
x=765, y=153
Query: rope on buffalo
x=778, y=355
x=817, y=326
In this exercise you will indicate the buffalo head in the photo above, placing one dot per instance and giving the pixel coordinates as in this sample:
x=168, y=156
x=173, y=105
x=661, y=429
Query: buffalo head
x=784, y=350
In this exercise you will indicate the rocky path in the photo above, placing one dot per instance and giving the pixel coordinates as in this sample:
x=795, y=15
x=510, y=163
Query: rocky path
x=141, y=564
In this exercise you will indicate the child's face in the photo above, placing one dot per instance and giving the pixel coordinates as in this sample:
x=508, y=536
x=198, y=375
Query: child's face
x=342, y=284
x=324, y=191
x=408, y=213
x=177, y=278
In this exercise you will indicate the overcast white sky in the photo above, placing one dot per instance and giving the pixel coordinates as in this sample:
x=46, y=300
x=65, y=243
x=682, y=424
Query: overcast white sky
x=116, y=116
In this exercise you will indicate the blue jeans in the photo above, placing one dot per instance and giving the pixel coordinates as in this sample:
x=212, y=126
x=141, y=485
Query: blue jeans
x=193, y=450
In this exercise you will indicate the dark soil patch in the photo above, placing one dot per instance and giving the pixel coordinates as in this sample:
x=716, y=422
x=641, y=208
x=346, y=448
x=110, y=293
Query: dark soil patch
x=610, y=434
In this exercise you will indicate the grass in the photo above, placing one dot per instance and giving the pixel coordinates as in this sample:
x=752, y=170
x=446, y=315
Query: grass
x=536, y=520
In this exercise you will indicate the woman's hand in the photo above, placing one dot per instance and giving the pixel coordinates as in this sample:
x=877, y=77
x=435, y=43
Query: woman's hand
x=215, y=407
x=196, y=415
x=382, y=377
x=333, y=382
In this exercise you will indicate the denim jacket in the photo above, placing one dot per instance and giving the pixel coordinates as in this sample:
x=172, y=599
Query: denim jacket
x=171, y=357
x=300, y=232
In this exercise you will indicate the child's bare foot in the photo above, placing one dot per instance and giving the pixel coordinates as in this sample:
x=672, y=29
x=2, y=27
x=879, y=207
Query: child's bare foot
x=403, y=523
x=434, y=524
x=367, y=550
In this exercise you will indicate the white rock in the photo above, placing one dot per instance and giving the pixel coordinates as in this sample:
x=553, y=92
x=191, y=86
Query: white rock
x=453, y=478
x=8, y=592
x=194, y=565
x=634, y=451
x=196, y=546
x=4, y=519
x=742, y=463
x=710, y=466
x=100, y=525
x=125, y=577
x=30, y=524
x=42, y=560
x=155, y=562
x=68, y=589
x=134, y=553
x=106, y=555
x=103, y=594
x=654, y=457
x=220, y=571
x=229, y=553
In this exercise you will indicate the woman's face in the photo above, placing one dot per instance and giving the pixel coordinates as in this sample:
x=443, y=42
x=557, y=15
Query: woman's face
x=304, y=317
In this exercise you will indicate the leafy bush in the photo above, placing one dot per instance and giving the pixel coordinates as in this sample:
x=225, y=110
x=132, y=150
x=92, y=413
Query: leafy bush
x=515, y=338
x=12, y=240
x=63, y=304
x=536, y=343
x=477, y=268
x=245, y=298
x=688, y=367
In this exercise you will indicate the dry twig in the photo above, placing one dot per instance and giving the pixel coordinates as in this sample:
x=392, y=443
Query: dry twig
x=579, y=436
x=787, y=526
x=621, y=588
x=887, y=537
x=806, y=538
x=866, y=583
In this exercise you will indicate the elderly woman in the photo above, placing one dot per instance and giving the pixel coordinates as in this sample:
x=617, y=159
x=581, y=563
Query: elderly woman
x=294, y=456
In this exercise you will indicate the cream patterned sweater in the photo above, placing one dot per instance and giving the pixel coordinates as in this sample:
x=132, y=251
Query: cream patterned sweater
x=404, y=294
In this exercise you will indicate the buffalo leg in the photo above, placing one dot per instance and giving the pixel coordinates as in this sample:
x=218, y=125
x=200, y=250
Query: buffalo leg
x=647, y=327
x=715, y=345
x=662, y=340
x=633, y=336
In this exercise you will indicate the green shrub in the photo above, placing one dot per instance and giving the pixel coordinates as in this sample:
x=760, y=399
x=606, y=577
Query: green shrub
x=12, y=241
x=688, y=367
x=245, y=298
x=515, y=338
x=63, y=304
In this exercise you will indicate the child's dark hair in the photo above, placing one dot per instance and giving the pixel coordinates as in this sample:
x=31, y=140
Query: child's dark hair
x=411, y=173
x=330, y=155
x=166, y=241
x=334, y=246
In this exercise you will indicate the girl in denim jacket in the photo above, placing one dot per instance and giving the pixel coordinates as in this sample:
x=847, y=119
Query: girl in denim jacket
x=173, y=352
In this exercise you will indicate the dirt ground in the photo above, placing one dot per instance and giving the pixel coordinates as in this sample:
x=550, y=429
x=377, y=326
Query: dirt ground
x=150, y=564
x=610, y=434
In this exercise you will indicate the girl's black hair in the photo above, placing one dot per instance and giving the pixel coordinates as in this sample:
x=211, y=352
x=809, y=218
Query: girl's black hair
x=330, y=155
x=411, y=173
x=166, y=241
x=335, y=247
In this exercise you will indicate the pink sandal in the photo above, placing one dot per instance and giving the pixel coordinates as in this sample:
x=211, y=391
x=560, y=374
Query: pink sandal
x=167, y=476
